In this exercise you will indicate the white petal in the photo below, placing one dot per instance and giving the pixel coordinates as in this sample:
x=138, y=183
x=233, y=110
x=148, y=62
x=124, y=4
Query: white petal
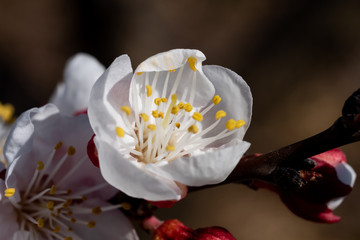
x=23, y=129
x=41, y=130
x=110, y=225
x=210, y=167
x=335, y=203
x=169, y=60
x=345, y=173
x=162, y=63
x=236, y=101
x=130, y=178
x=109, y=94
x=81, y=72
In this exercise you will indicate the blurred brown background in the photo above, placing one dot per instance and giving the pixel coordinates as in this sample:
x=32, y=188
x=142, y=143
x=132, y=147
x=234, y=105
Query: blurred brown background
x=300, y=58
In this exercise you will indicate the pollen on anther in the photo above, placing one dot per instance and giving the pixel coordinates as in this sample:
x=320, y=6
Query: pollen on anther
x=126, y=109
x=96, y=210
x=148, y=90
x=197, y=116
x=177, y=125
x=239, y=123
x=84, y=198
x=220, y=114
x=216, y=99
x=161, y=115
x=50, y=205
x=230, y=124
x=71, y=151
x=172, y=70
x=9, y=192
x=120, y=132
x=181, y=105
x=56, y=229
x=157, y=101
x=188, y=107
x=193, y=129
x=175, y=109
x=170, y=148
x=73, y=220
x=52, y=190
x=40, y=223
x=68, y=238
x=192, y=61
x=91, y=224
x=58, y=145
x=152, y=127
x=164, y=100
x=139, y=73
x=126, y=206
x=144, y=116
x=70, y=229
x=40, y=165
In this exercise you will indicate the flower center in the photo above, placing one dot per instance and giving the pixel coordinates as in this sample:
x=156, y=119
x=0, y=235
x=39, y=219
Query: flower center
x=165, y=128
x=49, y=211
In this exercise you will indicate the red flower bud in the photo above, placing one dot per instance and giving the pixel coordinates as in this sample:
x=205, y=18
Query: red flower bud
x=327, y=185
x=174, y=229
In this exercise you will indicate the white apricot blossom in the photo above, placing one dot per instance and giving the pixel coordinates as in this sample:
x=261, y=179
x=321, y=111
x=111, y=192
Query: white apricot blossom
x=72, y=95
x=171, y=121
x=51, y=190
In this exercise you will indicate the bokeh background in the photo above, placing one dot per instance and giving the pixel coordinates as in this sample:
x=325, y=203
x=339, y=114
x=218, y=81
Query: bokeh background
x=300, y=58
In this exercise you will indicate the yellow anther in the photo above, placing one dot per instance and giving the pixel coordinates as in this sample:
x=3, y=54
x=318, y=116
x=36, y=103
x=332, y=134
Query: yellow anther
x=126, y=206
x=68, y=192
x=56, y=229
x=240, y=123
x=193, y=129
x=52, y=190
x=188, y=107
x=172, y=70
x=126, y=109
x=91, y=224
x=70, y=230
x=181, y=105
x=197, y=116
x=177, y=125
x=216, y=99
x=120, y=132
x=58, y=211
x=73, y=220
x=53, y=215
x=67, y=203
x=161, y=115
x=220, y=114
x=68, y=238
x=170, y=148
x=84, y=198
x=69, y=213
x=152, y=127
x=230, y=124
x=96, y=210
x=139, y=73
x=175, y=110
x=9, y=192
x=6, y=112
x=71, y=151
x=40, y=223
x=40, y=165
x=164, y=100
x=155, y=113
x=192, y=61
x=144, y=116
x=148, y=90
x=157, y=101
x=50, y=205
x=58, y=145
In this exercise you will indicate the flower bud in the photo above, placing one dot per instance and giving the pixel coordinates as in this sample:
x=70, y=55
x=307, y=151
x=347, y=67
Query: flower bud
x=174, y=229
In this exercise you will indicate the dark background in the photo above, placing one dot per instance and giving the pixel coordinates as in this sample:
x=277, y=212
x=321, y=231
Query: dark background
x=300, y=58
